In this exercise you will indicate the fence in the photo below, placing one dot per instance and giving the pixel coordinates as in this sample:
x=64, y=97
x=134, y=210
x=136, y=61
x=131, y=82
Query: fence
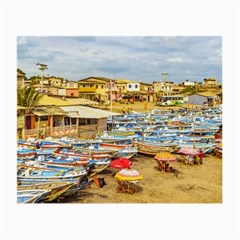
x=84, y=132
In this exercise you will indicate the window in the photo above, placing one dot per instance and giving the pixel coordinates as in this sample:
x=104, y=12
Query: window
x=136, y=86
x=123, y=87
x=102, y=86
x=130, y=86
x=96, y=86
x=90, y=85
x=73, y=120
x=72, y=94
x=83, y=85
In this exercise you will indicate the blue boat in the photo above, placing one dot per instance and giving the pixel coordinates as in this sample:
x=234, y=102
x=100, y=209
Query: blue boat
x=31, y=196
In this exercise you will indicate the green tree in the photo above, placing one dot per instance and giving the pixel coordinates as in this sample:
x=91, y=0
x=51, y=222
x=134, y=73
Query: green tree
x=22, y=72
x=28, y=97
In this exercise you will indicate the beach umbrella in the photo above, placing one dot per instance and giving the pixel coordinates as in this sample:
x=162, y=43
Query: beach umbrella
x=128, y=175
x=188, y=151
x=165, y=157
x=120, y=163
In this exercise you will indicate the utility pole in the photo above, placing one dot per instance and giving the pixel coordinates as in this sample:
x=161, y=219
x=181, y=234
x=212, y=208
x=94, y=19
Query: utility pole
x=164, y=80
x=42, y=68
x=111, y=95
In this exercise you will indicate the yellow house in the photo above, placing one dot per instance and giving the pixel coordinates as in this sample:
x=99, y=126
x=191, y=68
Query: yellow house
x=148, y=89
x=57, y=82
x=93, y=88
x=123, y=86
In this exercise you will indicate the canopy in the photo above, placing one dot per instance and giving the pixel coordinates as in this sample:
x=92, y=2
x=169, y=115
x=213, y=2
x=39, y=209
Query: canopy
x=121, y=163
x=165, y=157
x=188, y=151
x=128, y=175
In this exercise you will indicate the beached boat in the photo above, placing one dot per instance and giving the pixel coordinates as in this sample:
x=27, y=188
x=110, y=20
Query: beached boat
x=26, y=153
x=31, y=196
x=34, y=174
x=152, y=149
x=126, y=153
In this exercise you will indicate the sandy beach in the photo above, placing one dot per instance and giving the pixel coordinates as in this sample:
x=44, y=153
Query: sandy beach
x=194, y=184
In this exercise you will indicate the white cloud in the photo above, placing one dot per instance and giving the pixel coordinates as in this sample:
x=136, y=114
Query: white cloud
x=175, y=59
x=141, y=58
x=21, y=40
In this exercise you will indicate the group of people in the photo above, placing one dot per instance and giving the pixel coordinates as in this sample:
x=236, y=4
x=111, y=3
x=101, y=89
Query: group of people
x=129, y=110
x=197, y=159
x=164, y=167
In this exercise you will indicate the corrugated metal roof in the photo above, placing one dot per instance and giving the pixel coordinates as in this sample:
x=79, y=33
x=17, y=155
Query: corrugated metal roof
x=49, y=110
x=87, y=112
x=81, y=101
x=48, y=101
x=125, y=81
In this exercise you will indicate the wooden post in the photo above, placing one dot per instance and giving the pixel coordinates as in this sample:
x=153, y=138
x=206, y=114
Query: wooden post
x=23, y=129
x=142, y=135
x=77, y=122
x=51, y=125
x=70, y=127
x=150, y=117
x=63, y=125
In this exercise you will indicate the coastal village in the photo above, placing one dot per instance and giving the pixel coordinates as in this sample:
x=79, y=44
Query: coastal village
x=66, y=107
x=77, y=138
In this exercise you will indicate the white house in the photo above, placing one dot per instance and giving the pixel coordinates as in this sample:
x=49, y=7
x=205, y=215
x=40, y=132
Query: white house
x=188, y=83
x=133, y=86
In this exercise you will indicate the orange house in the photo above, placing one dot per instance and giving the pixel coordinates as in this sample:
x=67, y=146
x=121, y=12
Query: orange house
x=72, y=92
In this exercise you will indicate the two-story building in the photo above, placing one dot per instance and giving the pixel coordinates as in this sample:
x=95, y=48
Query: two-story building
x=57, y=82
x=121, y=85
x=130, y=90
x=148, y=89
x=210, y=82
x=163, y=88
x=188, y=83
x=97, y=89
x=68, y=92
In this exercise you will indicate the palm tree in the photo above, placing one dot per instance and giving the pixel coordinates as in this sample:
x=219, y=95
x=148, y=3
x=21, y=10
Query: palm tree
x=28, y=97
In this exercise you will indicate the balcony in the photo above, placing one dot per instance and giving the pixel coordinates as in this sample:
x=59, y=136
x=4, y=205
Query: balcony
x=87, y=89
x=114, y=89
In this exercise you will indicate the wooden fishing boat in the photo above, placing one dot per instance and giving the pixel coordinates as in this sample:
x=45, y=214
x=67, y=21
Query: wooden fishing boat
x=80, y=155
x=26, y=153
x=34, y=174
x=31, y=196
x=126, y=153
x=152, y=150
x=56, y=192
x=115, y=145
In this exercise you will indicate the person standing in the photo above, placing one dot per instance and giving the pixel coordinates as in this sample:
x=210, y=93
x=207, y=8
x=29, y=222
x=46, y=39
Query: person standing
x=201, y=155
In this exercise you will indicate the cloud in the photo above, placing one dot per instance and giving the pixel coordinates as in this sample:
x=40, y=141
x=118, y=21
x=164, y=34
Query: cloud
x=175, y=59
x=141, y=58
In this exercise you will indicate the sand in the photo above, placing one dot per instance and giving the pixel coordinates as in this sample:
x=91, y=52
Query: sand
x=145, y=107
x=194, y=184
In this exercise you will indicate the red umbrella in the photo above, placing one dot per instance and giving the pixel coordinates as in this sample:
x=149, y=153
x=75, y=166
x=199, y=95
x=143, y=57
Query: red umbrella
x=121, y=163
x=188, y=151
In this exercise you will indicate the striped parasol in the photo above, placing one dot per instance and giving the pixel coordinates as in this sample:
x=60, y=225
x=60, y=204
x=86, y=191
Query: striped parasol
x=128, y=175
x=188, y=151
x=165, y=157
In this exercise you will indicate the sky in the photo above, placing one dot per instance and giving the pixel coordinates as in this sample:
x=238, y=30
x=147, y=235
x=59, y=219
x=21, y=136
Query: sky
x=141, y=58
